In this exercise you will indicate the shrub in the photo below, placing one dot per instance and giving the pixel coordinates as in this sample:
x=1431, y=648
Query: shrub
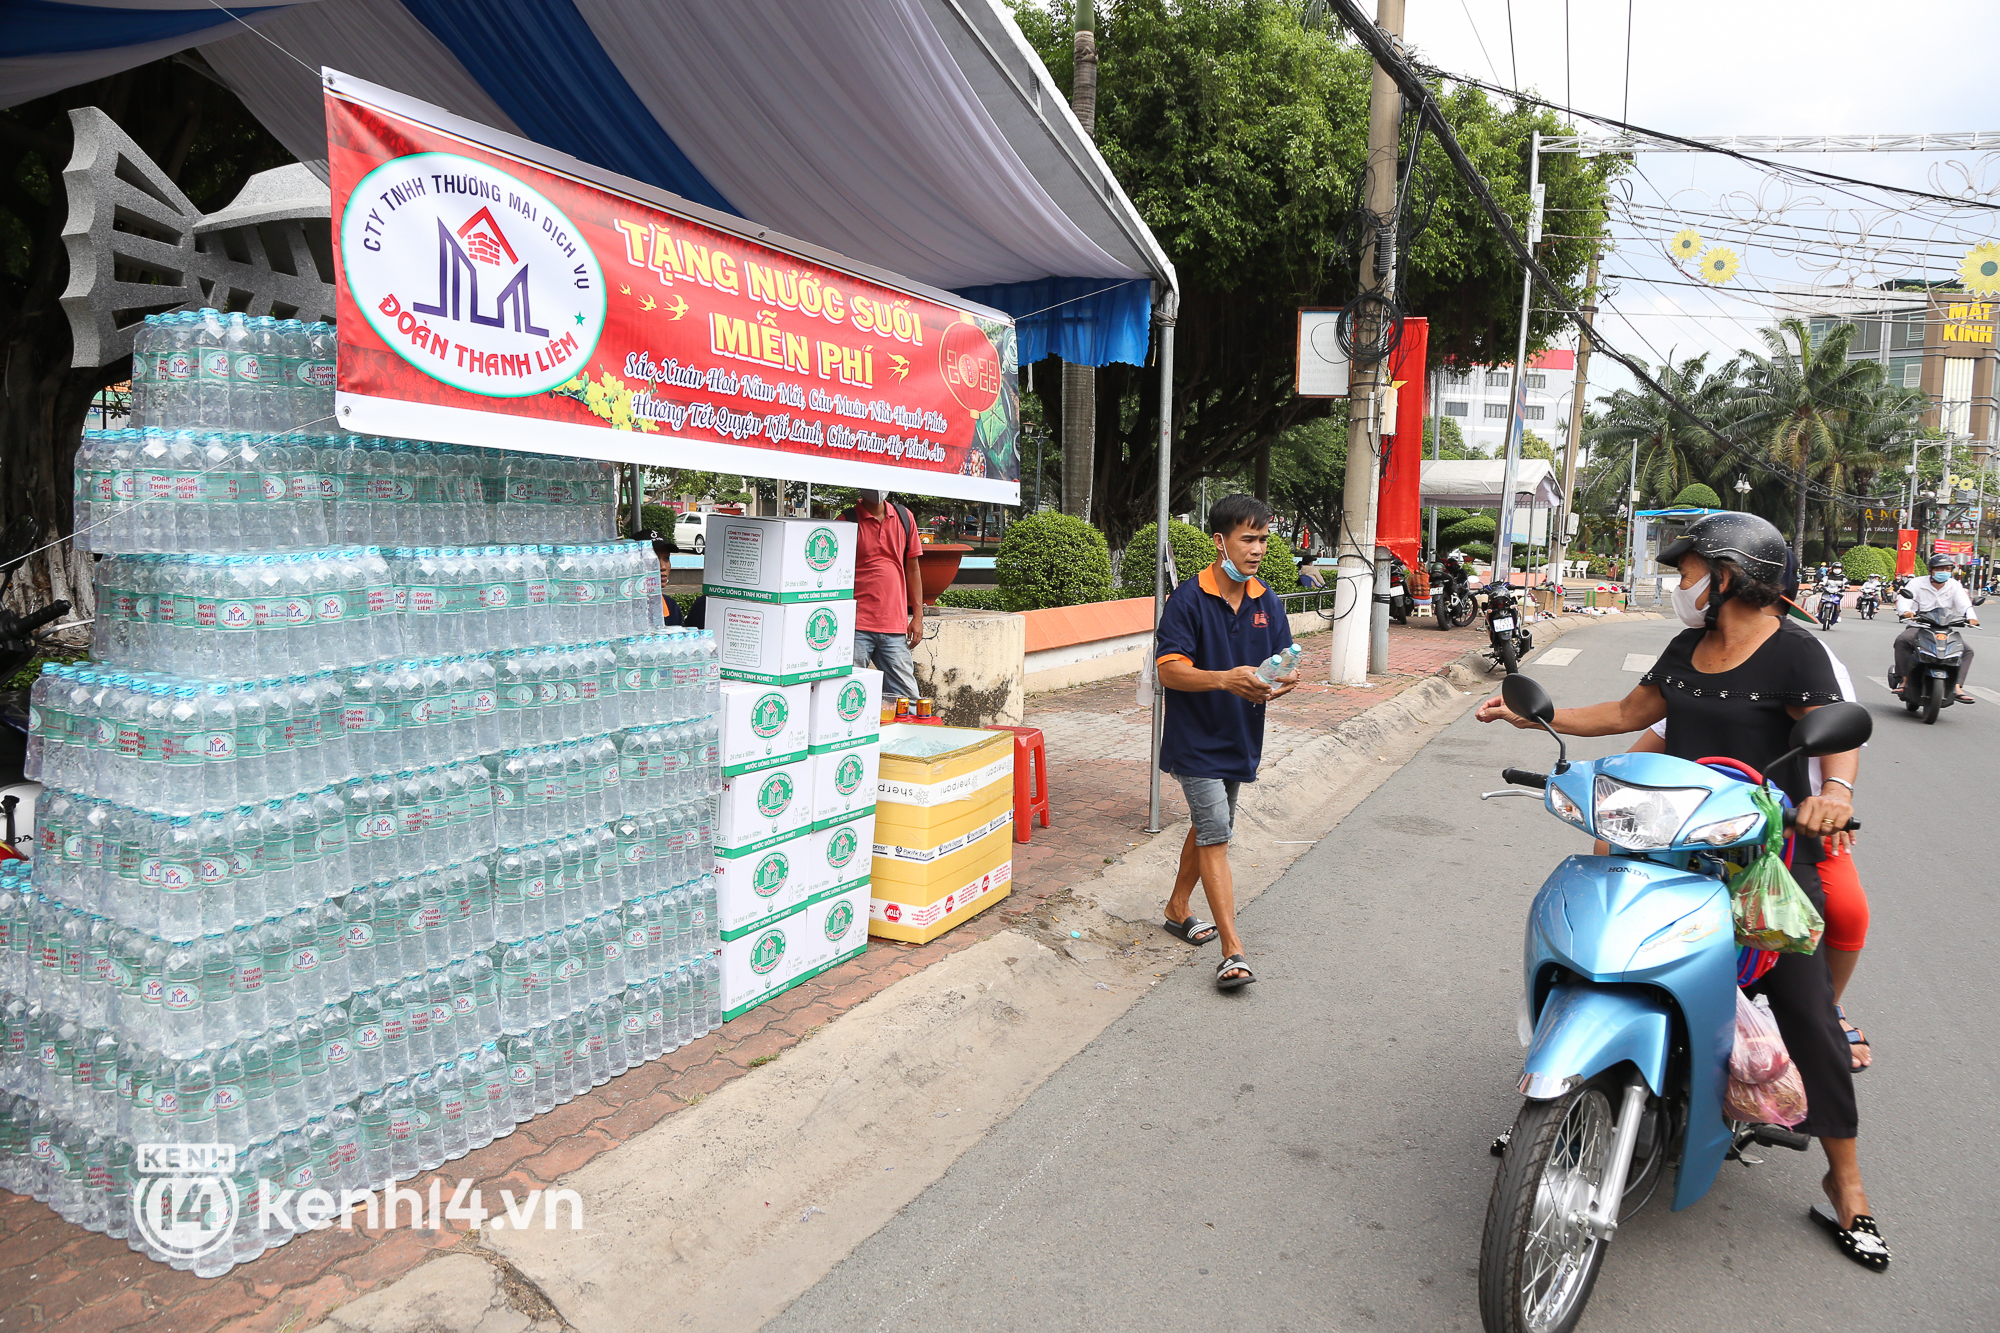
x=972, y=599
x=1699, y=496
x=1479, y=550
x=1192, y=550
x=1476, y=528
x=1052, y=559
x=1280, y=570
x=659, y=518
x=1862, y=562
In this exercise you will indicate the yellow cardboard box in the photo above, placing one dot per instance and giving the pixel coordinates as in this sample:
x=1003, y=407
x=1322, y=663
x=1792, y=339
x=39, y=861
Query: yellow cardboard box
x=943, y=829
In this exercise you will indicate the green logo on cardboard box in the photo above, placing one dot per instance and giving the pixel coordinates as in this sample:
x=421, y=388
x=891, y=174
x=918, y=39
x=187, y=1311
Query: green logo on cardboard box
x=766, y=952
x=853, y=697
x=847, y=776
x=841, y=847
x=770, y=875
x=822, y=549
x=774, y=795
x=822, y=628
x=839, y=919
x=768, y=714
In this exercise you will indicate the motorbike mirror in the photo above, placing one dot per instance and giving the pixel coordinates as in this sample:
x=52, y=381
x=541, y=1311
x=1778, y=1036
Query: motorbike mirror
x=1832, y=729
x=1979, y=599
x=1527, y=698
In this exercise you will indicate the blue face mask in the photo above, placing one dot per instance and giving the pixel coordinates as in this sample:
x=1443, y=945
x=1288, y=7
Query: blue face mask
x=1940, y=576
x=1235, y=575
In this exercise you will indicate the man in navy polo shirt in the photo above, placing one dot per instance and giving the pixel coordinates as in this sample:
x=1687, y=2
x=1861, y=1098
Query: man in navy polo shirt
x=1216, y=629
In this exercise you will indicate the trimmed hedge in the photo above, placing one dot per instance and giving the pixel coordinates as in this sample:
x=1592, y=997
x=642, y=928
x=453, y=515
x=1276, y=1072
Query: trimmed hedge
x=1477, y=528
x=1052, y=559
x=1862, y=562
x=971, y=599
x=1193, y=551
x=1280, y=570
x=1698, y=495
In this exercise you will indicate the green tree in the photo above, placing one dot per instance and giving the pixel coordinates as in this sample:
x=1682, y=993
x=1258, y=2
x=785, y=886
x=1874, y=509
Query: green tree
x=1672, y=451
x=1052, y=559
x=1698, y=495
x=202, y=137
x=1449, y=441
x=1534, y=446
x=1309, y=476
x=1798, y=393
x=1191, y=548
x=1239, y=130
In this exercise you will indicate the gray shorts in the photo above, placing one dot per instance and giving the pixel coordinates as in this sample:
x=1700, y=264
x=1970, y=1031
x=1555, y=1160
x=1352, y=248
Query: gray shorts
x=1212, y=806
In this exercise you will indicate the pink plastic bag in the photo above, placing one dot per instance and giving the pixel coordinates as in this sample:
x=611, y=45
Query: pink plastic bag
x=1764, y=1084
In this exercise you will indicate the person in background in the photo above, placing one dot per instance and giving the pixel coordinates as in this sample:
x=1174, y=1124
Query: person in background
x=663, y=550
x=1309, y=575
x=1216, y=630
x=888, y=592
x=1938, y=589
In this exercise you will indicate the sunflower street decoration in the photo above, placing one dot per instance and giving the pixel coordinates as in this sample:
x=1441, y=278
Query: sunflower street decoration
x=1718, y=265
x=1980, y=269
x=1684, y=244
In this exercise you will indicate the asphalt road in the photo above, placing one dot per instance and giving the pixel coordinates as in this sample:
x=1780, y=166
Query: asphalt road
x=1310, y=1153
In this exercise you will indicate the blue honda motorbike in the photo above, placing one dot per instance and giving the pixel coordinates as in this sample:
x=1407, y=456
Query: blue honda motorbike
x=1628, y=1012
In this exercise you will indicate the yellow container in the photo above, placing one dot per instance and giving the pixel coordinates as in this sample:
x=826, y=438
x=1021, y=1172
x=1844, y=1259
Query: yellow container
x=943, y=829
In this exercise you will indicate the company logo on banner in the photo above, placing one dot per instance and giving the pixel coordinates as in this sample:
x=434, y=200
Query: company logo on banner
x=503, y=311
x=498, y=296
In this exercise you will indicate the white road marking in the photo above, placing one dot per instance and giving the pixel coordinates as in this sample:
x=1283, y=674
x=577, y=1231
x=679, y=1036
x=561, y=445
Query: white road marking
x=1990, y=696
x=1556, y=657
x=1640, y=662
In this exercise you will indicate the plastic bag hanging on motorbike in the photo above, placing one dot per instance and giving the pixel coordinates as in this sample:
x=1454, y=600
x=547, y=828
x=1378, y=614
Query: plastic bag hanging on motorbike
x=1764, y=1085
x=1772, y=911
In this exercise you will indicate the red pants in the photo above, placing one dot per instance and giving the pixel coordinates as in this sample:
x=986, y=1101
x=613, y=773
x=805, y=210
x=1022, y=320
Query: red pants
x=1846, y=903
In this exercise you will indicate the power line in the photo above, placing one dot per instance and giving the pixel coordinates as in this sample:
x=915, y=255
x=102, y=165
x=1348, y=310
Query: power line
x=1628, y=60
x=1513, y=62
x=1414, y=89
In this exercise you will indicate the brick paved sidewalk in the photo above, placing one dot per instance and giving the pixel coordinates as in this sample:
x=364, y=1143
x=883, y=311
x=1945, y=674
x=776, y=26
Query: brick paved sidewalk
x=57, y=1276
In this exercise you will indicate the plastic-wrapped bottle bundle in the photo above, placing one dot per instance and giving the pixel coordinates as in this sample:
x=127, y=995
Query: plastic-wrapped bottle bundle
x=205, y=368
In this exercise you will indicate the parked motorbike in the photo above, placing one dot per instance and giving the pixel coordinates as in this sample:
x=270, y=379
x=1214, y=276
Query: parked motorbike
x=1933, y=680
x=1509, y=639
x=1628, y=1012
x=1829, y=609
x=1867, y=604
x=1401, y=601
x=1451, y=595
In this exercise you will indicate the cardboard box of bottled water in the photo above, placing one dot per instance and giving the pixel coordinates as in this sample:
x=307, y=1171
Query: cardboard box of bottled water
x=760, y=884
x=758, y=809
x=778, y=560
x=763, y=726
x=846, y=711
x=843, y=783
x=842, y=855
x=782, y=643
x=779, y=954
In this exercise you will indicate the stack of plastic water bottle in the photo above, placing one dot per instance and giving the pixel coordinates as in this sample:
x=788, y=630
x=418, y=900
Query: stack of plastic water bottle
x=364, y=838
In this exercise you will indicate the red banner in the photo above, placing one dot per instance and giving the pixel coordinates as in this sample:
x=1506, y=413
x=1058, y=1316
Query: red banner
x=1398, y=514
x=1942, y=546
x=493, y=293
x=1906, y=552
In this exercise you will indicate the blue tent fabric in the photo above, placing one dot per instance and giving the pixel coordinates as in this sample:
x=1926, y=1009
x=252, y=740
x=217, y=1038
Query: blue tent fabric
x=1085, y=321
x=43, y=27
x=519, y=50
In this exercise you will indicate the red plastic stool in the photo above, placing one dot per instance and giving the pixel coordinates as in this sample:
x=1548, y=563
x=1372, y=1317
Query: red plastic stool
x=1031, y=780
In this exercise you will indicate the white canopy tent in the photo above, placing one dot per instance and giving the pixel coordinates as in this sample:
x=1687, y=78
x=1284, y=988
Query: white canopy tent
x=1474, y=483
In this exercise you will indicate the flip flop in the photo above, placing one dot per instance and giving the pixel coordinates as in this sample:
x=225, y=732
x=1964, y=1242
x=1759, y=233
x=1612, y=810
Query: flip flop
x=1861, y=1242
x=1233, y=963
x=1855, y=1037
x=1190, y=931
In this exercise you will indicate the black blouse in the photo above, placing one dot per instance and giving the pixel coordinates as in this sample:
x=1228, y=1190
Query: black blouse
x=1741, y=713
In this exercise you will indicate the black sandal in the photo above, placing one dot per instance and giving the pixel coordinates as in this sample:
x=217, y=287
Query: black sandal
x=1233, y=963
x=1861, y=1242
x=1855, y=1037
x=1191, y=930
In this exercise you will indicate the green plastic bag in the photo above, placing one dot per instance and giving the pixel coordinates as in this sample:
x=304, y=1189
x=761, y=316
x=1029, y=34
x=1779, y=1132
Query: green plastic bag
x=1772, y=911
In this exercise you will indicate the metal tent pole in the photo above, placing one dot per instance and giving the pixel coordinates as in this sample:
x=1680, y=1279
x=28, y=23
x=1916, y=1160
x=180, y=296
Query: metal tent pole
x=1503, y=541
x=1166, y=313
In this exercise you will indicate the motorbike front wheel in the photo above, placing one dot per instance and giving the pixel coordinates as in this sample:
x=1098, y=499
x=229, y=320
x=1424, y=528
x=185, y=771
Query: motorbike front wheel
x=1933, y=700
x=1537, y=1261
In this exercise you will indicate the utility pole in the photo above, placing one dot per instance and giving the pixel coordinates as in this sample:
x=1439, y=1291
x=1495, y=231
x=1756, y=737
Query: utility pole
x=1503, y=544
x=1354, y=598
x=1561, y=536
x=1079, y=383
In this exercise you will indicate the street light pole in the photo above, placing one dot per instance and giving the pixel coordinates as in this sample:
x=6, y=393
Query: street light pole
x=1503, y=548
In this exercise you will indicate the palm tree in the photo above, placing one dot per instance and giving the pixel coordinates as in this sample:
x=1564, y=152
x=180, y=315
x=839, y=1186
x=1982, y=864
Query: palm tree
x=1798, y=397
x=1860, y=442
x=1673, y=452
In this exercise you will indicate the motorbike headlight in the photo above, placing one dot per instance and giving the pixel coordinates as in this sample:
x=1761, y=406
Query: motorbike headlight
x=1724, y=832
x=1565, y=808
x=1642, y=818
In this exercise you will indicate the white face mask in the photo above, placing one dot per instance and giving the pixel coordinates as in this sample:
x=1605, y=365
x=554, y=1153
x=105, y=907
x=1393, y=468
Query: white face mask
x=1686, y=604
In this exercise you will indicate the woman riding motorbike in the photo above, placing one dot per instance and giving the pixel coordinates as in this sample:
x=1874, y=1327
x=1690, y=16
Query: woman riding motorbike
x=1731, y=686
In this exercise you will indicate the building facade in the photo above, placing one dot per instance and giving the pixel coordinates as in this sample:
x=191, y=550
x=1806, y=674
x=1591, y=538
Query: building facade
x=1935, y=339
x=1481, y=399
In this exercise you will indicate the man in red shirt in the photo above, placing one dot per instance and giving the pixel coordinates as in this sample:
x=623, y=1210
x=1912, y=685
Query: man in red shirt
x=888, y=592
